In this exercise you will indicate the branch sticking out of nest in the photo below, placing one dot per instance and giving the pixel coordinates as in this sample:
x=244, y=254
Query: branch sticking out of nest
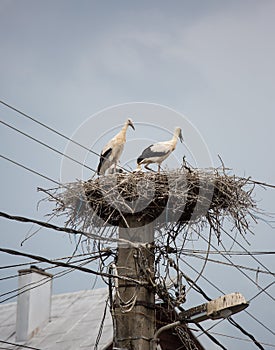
x=193, y=197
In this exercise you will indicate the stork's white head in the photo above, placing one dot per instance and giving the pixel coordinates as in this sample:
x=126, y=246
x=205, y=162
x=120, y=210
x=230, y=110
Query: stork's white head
x=129, y=122
x=178, y=133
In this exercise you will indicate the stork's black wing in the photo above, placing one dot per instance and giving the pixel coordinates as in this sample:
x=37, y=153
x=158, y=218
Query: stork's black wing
x=152, y=151
x=103, y=157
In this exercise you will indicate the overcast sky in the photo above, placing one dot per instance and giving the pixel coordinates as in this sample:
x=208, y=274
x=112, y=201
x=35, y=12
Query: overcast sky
x=209, y=64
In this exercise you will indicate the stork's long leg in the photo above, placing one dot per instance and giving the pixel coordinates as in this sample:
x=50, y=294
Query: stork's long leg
x=146, y=167
x=158, y=168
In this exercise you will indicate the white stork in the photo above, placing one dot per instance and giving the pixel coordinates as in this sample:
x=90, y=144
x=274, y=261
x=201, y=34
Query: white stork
x=112, y=151
x=158, y=152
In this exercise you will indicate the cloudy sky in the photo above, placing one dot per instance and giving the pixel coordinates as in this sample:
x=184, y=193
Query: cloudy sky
x=78, y=66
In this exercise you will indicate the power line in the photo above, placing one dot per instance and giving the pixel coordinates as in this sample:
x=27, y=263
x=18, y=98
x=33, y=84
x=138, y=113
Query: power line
x=100, y=331
x=240, y=245
x=261, y=291
x=37, y=284
x=231, y=336
x=258, y=321
x=242, y=339
x=55, y=131
x=46, y=145
x=247, y=312
x=225, y=257
x=44, y=223
x=62, y=264
x=235, y=324
x=19, y=345
x=15, y=265
x=56, y=263
x=199, y=290
x=31, y=170
x=210, y=336
x=104, y=253
x=8, y=278
x=31, y=262
x=225, y=252
x=56, y=228
x=229, y=264
x=221, y=291
x=48, y=127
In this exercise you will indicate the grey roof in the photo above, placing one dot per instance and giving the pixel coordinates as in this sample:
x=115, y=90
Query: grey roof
x=74, y=324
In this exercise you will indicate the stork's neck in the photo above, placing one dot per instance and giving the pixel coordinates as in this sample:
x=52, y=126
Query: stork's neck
x=122, y=133
x=174, y=139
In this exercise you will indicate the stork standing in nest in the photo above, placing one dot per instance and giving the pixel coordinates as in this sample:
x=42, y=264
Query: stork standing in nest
x=112, y=151
x=158, y=152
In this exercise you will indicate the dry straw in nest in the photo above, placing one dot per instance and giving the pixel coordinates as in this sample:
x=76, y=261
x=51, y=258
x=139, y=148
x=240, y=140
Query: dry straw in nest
x=183, y=197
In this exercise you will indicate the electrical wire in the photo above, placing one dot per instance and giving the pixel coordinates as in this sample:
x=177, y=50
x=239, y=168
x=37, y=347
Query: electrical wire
x=7, y=278
x=46, y=145
x=45, y=280
x=263, y=325
x=235, y=324
x=56, y=263
x=39, y=283
x=31, y=170
x=100, y=331
x=63, y=229
x=222, y=292
x=198, y=289
x=258, y=321
x=39, y=262
x=56, y=228
x=242, y=339
x=230, y=265
x=225, y=252
x=231, y=336
x=241, y=246
x=19, y=345
x=240, y=270
x=15, y=265
x=245, y=275
x=62, y=264
x=210, y=336
x=261, y=291
x=83, y=261
x=48, y=127
x=36, y=284
x=55, y=131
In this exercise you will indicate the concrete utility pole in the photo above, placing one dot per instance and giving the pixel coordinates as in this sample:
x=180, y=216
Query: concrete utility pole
x=134, y=312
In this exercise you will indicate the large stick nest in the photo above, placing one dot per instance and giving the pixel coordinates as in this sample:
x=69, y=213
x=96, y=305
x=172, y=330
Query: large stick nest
x=184, y=197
